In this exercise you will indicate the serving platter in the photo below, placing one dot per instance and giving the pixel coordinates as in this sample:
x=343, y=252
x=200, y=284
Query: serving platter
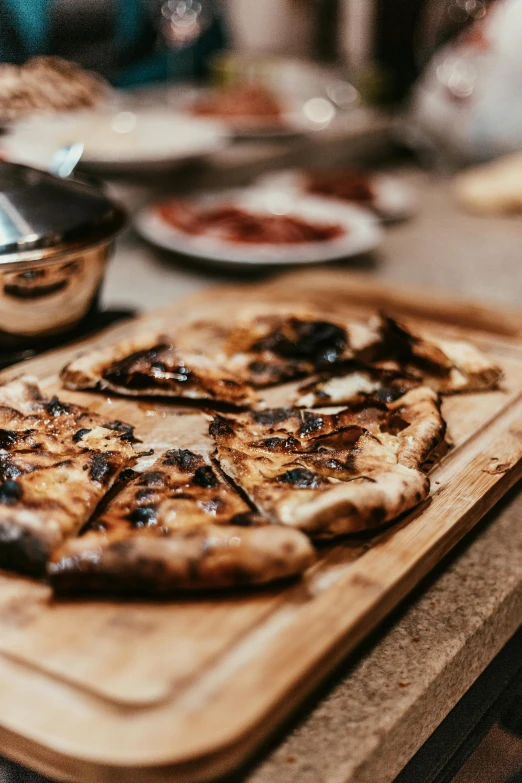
x=360, y=231
x=184, y=690
x=116, y=140
x=393, y=199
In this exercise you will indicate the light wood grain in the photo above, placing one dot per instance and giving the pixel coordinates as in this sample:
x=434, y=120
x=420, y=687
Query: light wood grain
x=186, y=689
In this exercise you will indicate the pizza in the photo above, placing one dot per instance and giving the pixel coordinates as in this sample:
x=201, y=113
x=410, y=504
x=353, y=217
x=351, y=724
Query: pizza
x=57, y=461
x=333, y=473
x=303, y=469
x=354, y=381
x=206, y=360
x=271, y=348
x=403, y=359
x=448, y=366
x=152, y=364
x=179, y=525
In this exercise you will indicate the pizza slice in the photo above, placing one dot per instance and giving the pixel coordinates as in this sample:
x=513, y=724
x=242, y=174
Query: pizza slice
x=354, y=382
x=208, y=360
x=331, y=474
x=448, y=366
x=56, y=463
x=153, y=365
x=270, y=348
x=178, y=526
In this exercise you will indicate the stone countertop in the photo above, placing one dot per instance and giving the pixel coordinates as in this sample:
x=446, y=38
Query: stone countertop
x=381, y=706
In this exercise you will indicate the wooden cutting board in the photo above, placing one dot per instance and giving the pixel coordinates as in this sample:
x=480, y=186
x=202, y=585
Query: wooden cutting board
x=184, y=690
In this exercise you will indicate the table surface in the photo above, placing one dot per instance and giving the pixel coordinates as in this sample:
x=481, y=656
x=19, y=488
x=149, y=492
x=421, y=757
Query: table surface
x=379, y=709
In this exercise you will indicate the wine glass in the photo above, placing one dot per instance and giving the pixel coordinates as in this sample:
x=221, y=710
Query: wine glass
x=442, y=20
x=182, y=22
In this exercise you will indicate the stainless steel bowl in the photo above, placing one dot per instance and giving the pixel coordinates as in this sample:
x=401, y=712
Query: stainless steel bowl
x=56, y=237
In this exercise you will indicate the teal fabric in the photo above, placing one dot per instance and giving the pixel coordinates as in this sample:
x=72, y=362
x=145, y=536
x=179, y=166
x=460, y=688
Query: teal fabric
x=30, y=18
x=24, y=33
x=131, y=16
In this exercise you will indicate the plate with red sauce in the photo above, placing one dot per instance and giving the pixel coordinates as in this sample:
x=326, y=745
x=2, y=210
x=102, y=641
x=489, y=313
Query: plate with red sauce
x=258, y=226
x=386, y=196
x=251, y=111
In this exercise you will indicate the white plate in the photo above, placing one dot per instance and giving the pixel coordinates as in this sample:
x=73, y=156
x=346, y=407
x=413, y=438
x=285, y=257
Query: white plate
x=116, y=140
x=394, y=199
x=362, y=230
x=298, y=117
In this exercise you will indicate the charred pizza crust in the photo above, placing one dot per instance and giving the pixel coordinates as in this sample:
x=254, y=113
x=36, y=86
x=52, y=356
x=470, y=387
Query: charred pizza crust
x=404, y=359
x=331, y=474
x=270, y=348
x=56, y=463
x=206, y=360
x=178, y=526
x=448, y=366
x=153, y=365
x=354, y=382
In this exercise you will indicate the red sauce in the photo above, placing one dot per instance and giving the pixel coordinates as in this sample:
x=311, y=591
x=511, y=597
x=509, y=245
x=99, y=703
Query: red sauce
x=240, y=102
x=346, y=185
x=237, y=225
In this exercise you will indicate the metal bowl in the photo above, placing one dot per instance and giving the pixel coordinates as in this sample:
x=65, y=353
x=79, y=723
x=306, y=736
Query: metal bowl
x=56, y=237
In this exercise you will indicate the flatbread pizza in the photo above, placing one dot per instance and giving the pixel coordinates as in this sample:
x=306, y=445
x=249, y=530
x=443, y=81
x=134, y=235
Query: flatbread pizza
x=331, y=474
x=448, y=366
x=57, y=461
x=352, y=382
x=179, y=525
x=152, y=364
x=205, y=360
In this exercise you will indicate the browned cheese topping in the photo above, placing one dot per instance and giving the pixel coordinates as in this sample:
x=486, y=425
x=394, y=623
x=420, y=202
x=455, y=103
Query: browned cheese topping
x=178, y=525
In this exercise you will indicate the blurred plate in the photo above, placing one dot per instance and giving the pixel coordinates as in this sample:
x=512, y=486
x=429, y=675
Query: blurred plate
x=362, y=231
x=394, y=199
x=298, y=117
x=118, y=140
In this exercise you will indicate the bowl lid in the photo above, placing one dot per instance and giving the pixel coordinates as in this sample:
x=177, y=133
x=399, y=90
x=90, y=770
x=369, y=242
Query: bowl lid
x=41, y=212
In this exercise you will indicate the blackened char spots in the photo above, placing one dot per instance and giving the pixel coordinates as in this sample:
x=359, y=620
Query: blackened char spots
x=10, y=492
x=126, y=475
x=389, y=393
x=394, y=424
x=280, y=445
x=127, y=430
x=8, y=438
x=144, y=494
x=301, y=478
x=403, y=346
x=135, y=370
x=8, y=469
x=183, y=459
x=100, y=468
x=205, y=477
x=312, y=424
x=21, y=549
x=152, y=478
x=260, y=368
x=55, y=407
x=248, y=519
x=378, y=515
x=79, y=434
x=219, y=428
x=144, y=516
x=341, y=438
x=272, y=416
x=320, y=342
